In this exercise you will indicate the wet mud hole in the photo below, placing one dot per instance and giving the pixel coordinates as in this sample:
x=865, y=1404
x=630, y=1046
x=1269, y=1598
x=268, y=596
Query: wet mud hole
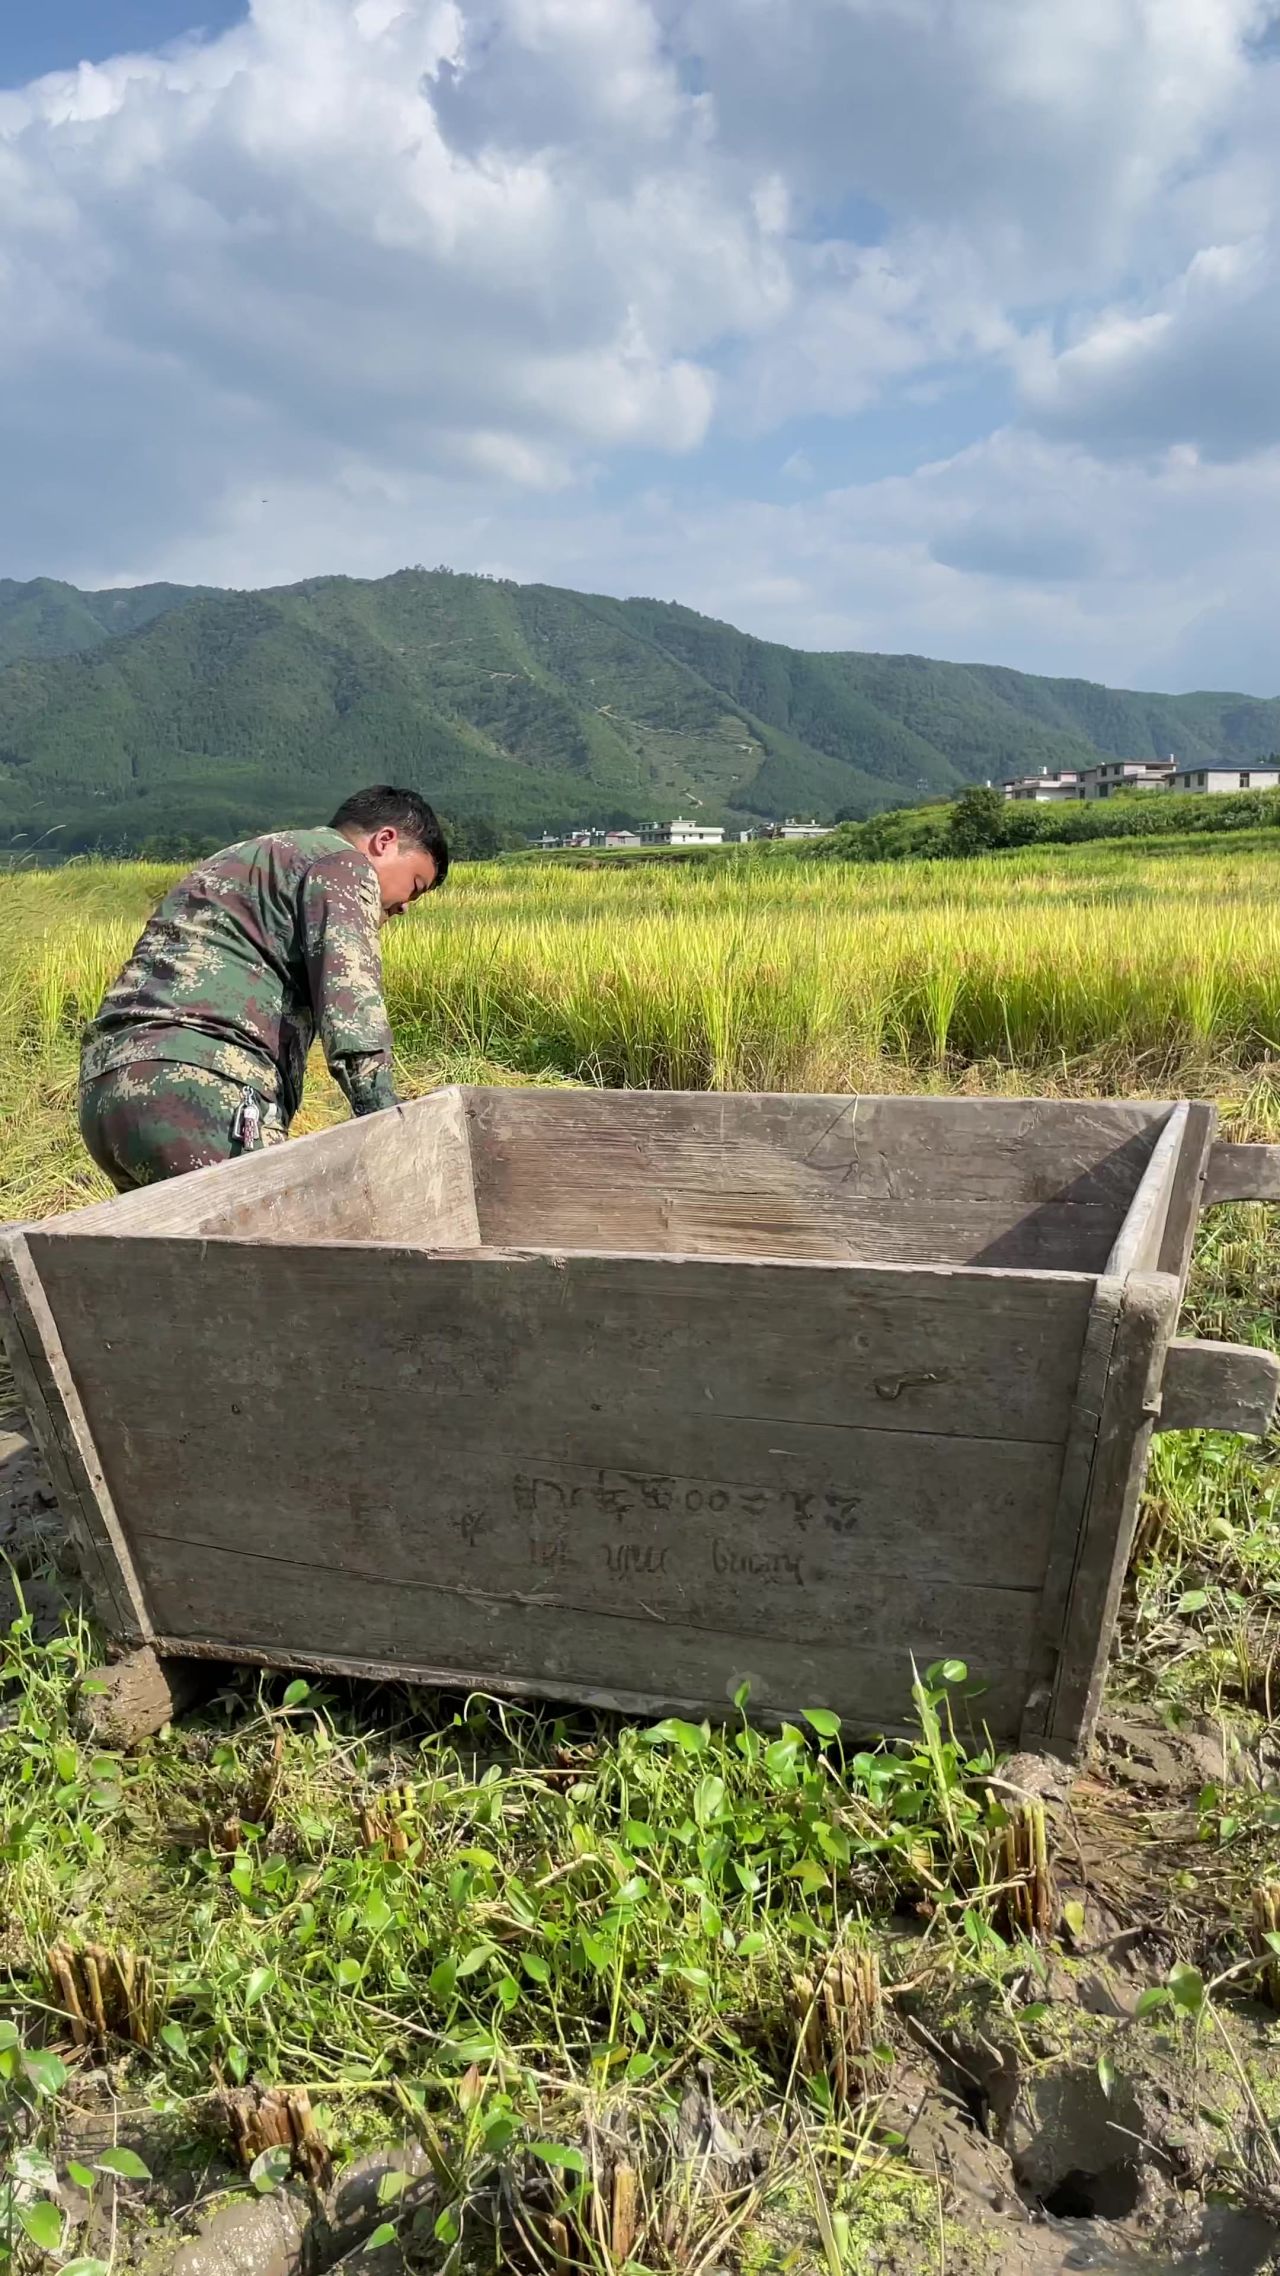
x=1032, y=2122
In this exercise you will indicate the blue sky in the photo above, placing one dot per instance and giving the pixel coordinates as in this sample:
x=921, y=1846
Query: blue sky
x=54, y=35
x=863, y=323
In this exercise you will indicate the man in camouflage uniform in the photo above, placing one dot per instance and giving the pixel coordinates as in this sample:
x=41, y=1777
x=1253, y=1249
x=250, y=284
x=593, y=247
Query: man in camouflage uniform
x=199, y=1050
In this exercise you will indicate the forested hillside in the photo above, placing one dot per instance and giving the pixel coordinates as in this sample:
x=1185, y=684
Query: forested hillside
x=165, y=715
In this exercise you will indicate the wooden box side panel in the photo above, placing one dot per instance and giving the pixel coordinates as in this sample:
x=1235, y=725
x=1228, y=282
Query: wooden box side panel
x=588, y=1475
x=47, y=1389
x=1029, y=1184
x=1103, y=1474
x=403, y=1176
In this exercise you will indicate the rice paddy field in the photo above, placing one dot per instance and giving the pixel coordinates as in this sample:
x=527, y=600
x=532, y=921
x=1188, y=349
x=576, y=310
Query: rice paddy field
x=681, y=1999
x=1104, y=967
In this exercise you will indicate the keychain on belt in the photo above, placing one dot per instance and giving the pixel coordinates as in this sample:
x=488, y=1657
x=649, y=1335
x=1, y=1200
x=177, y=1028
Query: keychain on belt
x=247, y=1126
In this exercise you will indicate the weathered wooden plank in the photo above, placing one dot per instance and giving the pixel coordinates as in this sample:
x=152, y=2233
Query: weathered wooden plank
x=782, y=1536
x=1242, y=1173
x=1188, y=1187
x=278, y=1611
x=745, y=1449
x=766, y=1576
x=1148, y=1310
x=1073, y=1495
x=48, y=1391
x=1219, y=1386
x=404, y=1176
x=900, y=1147
x=1138, y=1243
x=1014, y=1183
x=646, y=1339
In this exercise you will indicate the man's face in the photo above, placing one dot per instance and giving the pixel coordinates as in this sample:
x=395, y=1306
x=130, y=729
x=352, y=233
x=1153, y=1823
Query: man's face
x=405, y=870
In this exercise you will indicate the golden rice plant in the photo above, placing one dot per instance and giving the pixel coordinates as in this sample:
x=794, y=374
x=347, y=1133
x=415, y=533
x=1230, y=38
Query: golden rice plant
x=1100, y=966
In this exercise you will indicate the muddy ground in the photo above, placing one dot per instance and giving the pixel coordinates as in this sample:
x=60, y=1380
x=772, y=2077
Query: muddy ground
x=1030, y=2123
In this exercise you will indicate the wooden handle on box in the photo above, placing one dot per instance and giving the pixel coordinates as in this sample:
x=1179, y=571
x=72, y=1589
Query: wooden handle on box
x=1242, y=1173
x=1219, y=1386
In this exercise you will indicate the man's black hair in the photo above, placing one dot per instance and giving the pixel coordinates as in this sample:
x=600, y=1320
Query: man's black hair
x=382, y=808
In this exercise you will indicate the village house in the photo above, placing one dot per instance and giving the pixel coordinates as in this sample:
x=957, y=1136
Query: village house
x=1112, y=775
x=1224, y=774
x=680, y=833
x=1047, y=788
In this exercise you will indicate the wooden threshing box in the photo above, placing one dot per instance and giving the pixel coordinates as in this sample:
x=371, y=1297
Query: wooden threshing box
x=633, y=1397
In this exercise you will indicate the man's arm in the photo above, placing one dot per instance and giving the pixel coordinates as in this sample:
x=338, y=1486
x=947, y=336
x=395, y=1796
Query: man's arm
x=340, y=919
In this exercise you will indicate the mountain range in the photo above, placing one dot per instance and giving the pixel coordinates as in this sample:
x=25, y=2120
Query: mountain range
x=165, y=716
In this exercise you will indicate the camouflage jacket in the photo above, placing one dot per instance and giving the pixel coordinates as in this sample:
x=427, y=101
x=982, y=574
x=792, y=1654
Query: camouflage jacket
x=246, y=960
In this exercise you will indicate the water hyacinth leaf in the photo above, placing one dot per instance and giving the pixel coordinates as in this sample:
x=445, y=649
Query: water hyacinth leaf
x=255, y=1985
x=823, y=1722
x=296, y=1692
x=32, y=2170
x=66, y=1762
x=1073, y=1917
x=1193, y=1600
x=692, y=1738
x=535, y=1967
x=1155, y=1996
x=474, y=1960
x=42, y=2224
x=709, y=1800
x=125, y=2164
x=559, y=2154
x=270, y=2168
x=392, y=2185
x=45, y=2072
x=1186, y=1984
x=80, y=2174
x=444, y=1977
x=174, y=2038
x=780, y=1761
x=377, y=1913
x=8, y=2035
x=384, y=2234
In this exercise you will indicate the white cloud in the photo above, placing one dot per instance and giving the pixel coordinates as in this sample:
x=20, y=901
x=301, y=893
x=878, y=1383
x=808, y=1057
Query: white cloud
x=269, y=248
x=1200, y=367
x=364, y=281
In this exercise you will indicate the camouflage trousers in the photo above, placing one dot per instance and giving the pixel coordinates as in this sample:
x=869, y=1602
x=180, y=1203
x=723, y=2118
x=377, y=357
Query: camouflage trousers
x=158, y=1119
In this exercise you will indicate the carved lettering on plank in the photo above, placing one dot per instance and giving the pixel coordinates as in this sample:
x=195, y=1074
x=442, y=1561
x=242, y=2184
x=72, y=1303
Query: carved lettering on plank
x=757, y=1564
x=626, y=1559
x=625, y=1494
